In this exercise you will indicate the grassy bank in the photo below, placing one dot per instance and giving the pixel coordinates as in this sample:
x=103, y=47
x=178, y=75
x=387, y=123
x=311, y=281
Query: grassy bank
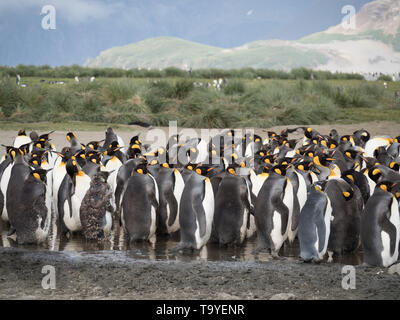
x=251, y=103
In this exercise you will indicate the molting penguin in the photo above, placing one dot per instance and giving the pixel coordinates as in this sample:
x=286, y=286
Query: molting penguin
x=31, y=214
x=96, y=210
x=314, y=224
x=273, y=210
x=139, y=206
x=381, y=227
x=196, y=212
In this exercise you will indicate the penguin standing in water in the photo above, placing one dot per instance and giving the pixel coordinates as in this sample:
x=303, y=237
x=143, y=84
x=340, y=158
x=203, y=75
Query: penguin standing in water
x=196, y=211
x=314, y=224
x=96, y=211
x=70, y=195
x=5, y=173
x=273, y=211
x=171, y=184
x=232, y=209
x=18, y=174
x=31, y=214
x=139, y=206
x=381, y=227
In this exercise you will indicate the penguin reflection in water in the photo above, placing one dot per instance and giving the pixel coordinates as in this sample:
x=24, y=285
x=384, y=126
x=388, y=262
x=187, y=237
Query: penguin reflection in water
x=96, y=210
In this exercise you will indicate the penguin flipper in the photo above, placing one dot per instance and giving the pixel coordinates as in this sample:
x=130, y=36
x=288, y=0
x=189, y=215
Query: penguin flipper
x=283, y=210
x=390, y=229
x=201, y=218
x=11, y=231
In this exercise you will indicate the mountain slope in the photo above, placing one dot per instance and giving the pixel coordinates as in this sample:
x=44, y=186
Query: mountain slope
x=374, y=46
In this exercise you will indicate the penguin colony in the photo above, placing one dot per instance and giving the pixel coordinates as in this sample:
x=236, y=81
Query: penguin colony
x=334, y=193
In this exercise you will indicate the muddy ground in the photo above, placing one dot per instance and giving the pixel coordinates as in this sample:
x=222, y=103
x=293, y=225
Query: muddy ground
x=118, y=275
x=114, y=275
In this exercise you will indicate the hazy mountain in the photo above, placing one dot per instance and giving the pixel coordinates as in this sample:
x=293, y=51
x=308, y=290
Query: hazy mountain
x=372, y=46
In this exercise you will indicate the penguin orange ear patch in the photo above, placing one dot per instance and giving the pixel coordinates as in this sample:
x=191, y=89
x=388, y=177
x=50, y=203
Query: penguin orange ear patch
x=232, y=171
x=350, y=177
x=383, y=187
x=37, y=176
x=346, y=194
x=375, y=172
x=301, y=167
x=165, y=165
x=198, y=171
x=278, y=171
x=139, y=171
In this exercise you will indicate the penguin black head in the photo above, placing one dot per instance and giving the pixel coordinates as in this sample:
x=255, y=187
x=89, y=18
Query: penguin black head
x=362, y=136
x=271, y=134
x=334, y=135
x=112, y=148
x=72, y=167
x=348, y=176
x=135, y=140
x=374, y=174
x=394, y=166
x=279, y=169
x=45, y=137
x=12, y=151
x=134, y=151
x=40, y=174
x=347, y=139
x=348, y=193
x=36, y=158
x=94, y=157
x=309, y=133
x=22, y=132
x=70, y=136
x=232, y=168
x=94, y=145
x=385, y=185
x=141, y=168
x=202, y=170
x=322, y=160
x=303, y=166
x=257, y=139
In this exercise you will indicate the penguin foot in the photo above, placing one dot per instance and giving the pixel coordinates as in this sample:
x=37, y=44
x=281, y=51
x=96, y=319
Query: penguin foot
x=330, y=256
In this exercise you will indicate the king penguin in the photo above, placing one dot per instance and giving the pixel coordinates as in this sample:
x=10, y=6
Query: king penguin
x=381, y=227
x=139, y=206
x=196, y=212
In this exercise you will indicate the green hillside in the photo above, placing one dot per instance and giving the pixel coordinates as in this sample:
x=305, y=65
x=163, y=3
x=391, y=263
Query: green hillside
x=164, y=52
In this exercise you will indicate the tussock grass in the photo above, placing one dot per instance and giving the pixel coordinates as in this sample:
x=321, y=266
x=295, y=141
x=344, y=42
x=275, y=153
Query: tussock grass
x=251, y=103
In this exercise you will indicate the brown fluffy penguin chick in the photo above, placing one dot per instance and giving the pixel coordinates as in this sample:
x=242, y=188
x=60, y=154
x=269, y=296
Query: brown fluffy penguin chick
x=94, y=207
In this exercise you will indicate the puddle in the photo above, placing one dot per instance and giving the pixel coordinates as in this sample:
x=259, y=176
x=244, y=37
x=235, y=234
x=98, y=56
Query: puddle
x=163, y=248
